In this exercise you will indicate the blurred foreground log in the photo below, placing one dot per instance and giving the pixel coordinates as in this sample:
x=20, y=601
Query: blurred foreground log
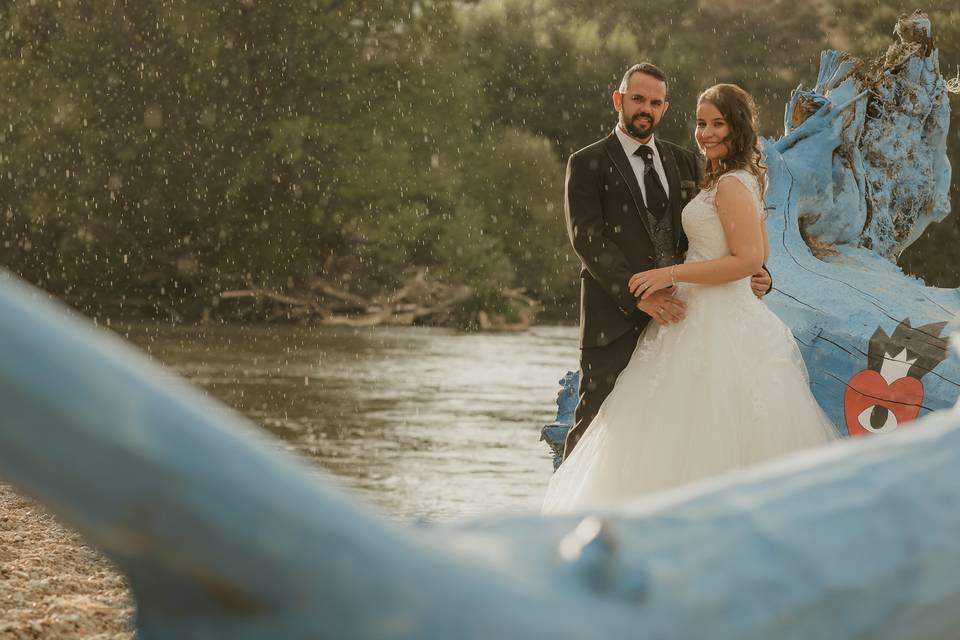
x=222, y=535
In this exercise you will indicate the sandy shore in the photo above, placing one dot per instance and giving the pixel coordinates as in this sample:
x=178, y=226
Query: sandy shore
x=52, y=584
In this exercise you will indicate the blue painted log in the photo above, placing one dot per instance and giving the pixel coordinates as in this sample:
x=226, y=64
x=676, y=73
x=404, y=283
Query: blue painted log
x=859, y=174
x=555, y=433
x=224, y=536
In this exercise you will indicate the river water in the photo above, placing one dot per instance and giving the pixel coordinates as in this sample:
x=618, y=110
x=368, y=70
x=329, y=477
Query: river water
x=418, y=423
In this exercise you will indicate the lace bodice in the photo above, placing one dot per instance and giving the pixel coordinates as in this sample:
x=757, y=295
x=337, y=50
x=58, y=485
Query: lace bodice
x=702, y=224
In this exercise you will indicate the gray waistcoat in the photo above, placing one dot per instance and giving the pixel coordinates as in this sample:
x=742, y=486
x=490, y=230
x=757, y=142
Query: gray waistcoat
x=666, y=250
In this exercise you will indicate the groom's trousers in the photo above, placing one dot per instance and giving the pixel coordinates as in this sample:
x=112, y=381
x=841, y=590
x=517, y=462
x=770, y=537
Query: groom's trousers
x=599, y=369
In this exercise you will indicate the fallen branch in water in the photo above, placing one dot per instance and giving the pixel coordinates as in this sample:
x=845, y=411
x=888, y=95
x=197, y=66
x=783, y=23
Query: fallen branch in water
x=419, y=301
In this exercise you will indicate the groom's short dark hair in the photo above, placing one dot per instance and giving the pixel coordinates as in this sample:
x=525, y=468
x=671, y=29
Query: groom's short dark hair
x=643, y=67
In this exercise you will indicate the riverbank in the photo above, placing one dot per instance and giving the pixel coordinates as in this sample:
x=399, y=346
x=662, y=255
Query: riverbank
x=52, y=584
x=420, y=300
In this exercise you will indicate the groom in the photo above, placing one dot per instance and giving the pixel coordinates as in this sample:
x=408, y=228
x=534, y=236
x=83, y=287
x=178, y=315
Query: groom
x=624, y=195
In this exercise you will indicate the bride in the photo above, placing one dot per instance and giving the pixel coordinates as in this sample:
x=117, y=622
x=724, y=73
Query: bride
x=727, y=387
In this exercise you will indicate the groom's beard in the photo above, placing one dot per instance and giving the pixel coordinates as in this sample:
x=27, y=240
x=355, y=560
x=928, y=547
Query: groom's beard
x=638, y=127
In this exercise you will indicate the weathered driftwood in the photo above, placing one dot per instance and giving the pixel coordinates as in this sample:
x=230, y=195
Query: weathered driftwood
x=880, y=174
x=419, y=301
x=555, y=433
x=860, y=173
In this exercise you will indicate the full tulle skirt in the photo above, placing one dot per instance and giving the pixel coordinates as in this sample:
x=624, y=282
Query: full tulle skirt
x=724, y=389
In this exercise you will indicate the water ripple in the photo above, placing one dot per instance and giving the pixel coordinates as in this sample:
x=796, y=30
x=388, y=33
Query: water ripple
x=418, y=422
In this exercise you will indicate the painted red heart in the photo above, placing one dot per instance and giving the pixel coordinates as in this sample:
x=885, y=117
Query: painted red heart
x=868, y=388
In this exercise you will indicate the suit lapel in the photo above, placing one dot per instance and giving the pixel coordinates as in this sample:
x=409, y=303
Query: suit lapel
x=673, y=179
x=622, y=163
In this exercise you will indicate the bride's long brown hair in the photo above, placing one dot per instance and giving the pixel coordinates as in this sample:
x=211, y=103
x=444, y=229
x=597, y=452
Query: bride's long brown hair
x=740, y=111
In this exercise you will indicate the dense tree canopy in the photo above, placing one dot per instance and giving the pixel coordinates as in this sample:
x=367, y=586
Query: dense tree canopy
x=157, y=154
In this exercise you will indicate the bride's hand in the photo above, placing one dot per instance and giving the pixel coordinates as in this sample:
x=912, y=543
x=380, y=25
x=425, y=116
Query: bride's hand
x=645, y=283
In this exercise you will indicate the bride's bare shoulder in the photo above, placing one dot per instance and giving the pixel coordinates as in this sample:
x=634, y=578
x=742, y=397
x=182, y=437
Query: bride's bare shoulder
x=736, y=182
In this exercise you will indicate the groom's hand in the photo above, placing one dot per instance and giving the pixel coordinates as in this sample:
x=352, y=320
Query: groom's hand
x=663, y=307
x=760, y=283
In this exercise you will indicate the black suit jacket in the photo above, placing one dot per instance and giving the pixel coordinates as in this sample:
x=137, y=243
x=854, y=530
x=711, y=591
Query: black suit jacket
x=608, y=228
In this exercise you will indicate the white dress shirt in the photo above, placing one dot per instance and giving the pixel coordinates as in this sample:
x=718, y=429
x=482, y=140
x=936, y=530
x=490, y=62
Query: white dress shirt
x=630, y=147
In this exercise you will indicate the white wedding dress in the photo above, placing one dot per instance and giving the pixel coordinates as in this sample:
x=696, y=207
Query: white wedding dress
x=721, y=390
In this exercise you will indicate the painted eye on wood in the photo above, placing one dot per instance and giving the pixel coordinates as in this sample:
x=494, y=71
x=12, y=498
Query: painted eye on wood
x=889, y=392
x=877, y=419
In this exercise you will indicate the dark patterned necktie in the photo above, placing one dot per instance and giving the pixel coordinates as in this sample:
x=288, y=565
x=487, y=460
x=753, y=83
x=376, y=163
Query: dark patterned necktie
x=656, y=196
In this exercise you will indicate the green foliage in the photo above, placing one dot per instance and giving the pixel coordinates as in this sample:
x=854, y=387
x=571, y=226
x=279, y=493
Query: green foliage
x=156, y=154
x=551, y=66
x=173, y=150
